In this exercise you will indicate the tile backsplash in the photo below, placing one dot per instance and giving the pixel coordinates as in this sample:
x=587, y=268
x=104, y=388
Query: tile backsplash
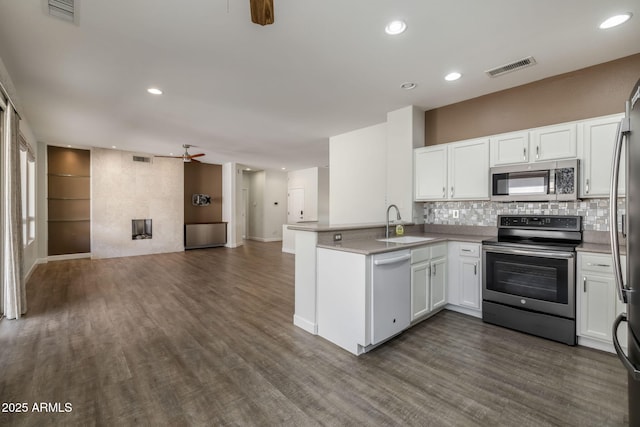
x=594, y=212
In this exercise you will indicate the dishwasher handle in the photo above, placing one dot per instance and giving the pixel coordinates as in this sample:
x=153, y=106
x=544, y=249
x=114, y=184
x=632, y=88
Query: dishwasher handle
x=395, y=260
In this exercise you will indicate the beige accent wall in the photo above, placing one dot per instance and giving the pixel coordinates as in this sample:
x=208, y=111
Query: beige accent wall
x=590, y=92
x=123, y=190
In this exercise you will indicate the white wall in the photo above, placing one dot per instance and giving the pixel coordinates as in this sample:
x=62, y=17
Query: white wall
x=323, y=195
x=267, y=205
x=275, y=204
x=256, y=205
x=357, y=177
x=122, y=190
x=405, y=132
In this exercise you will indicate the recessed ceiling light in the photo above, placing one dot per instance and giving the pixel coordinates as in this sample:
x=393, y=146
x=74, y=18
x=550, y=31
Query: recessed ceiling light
x=171, y=154
x=154, y=91
x=452, y=76
x=284, y=169
x=614, y=21
x=408, y=85
x=395, y=27
x=113, y=146
x=68, y=146
x=248, y=169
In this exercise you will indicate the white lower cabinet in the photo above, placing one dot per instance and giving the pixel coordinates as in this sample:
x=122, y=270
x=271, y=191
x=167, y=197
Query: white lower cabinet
x=465, y=278
x=597, y=301
x=428, y=280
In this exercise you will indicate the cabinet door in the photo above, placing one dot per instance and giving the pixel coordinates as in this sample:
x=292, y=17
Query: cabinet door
x=598, y=306
x=469, y=273
x=438, y=284
x=597, y=138
x=469, y=170
x=430, y=173
x=509, y=148
x=554, y=142
x=420, y=275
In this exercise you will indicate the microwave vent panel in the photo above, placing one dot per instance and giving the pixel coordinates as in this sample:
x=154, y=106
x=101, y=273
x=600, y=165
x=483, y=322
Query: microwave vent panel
x=513, y=66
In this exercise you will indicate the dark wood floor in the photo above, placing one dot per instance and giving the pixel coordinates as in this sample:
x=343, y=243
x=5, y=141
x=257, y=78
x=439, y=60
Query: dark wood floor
x=206, y=338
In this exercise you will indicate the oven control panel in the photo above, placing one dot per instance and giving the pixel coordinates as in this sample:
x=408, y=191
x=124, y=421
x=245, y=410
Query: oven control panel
x=549, y=222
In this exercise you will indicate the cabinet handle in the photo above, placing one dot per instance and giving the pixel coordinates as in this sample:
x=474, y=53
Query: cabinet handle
x=451, y=191
x=435, y=270
x=584, y=284
x=466, y=250
x=475, y=269
x=586, y=189
x=598, y=265
x=444, y=192
x=537, y=152
x=524, y=153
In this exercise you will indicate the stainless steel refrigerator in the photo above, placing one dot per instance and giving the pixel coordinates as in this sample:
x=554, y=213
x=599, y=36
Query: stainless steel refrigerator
x=628, y=140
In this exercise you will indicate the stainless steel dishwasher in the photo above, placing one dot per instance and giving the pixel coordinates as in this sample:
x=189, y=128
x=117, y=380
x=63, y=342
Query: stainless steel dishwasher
x=390, y=294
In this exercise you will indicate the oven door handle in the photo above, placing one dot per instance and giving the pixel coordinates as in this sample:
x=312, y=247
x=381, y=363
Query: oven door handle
x=541, y=254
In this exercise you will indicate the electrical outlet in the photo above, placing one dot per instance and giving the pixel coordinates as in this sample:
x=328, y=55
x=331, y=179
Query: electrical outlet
x=455, y=213
x=337, y=237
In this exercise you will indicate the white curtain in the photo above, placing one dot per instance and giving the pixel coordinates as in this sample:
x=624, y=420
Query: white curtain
x=13, y=296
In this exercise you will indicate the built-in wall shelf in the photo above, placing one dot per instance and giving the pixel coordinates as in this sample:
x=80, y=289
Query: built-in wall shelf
x=68, y=175
x=68, y=200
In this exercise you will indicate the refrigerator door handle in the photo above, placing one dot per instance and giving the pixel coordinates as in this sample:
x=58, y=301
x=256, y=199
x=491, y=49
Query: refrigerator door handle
x=634, y=372
x=613, y=209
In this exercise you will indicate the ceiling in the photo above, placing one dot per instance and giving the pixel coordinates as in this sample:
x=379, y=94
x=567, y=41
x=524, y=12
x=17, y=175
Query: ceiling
x=270, y=97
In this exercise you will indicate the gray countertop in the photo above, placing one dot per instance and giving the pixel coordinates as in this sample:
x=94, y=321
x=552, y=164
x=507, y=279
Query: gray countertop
x=602, y=248
x=373, y=246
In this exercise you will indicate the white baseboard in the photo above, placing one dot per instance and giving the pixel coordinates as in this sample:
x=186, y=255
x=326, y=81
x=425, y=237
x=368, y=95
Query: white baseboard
x=304, y=324
x=288, y=251
x=33, y=268
x=265, y=240
x=464, y=310
x=597, y=344
x=68, y=257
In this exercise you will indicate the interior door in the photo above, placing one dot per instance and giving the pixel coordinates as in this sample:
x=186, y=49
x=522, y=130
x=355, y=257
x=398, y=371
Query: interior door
x=295, y=211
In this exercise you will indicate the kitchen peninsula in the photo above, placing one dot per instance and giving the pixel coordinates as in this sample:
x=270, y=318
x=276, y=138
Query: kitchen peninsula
x=334, y=297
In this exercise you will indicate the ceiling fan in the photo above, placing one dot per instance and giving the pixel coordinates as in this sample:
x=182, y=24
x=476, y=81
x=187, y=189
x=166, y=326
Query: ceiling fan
x=261, y=11
x=186, y=157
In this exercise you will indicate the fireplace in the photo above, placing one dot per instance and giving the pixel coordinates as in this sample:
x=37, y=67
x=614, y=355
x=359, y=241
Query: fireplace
x=141, y=229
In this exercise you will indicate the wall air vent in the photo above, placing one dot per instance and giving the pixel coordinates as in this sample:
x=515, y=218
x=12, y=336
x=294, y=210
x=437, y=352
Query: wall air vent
x=142, y=159
x=63, y=9
x=513, y=66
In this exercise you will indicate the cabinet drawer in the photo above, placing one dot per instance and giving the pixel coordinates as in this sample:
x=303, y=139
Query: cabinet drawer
x=438, y=251
x=420, y=254
x=597, y=263
x=470, y=249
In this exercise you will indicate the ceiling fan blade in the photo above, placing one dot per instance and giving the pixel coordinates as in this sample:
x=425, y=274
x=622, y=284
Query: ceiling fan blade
x=196, y=155
x=261, y=11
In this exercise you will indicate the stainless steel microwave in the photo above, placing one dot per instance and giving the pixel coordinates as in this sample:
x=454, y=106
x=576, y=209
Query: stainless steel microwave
x=535, y=181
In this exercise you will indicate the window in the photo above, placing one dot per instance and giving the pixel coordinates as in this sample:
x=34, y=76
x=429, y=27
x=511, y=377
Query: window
x=28, y=184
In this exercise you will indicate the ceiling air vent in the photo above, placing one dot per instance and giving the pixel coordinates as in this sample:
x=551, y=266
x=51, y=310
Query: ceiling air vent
x=142, y=159
x=63, y=9
x=513, y=66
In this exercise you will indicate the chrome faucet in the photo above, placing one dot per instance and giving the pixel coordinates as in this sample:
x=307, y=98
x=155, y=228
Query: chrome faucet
x=398, y=214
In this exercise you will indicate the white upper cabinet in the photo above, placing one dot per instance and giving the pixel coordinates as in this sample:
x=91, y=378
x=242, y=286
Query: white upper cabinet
x=554, y=142
x=509, y=148
x=430, y=173
x=469, y=170
x=597, y=138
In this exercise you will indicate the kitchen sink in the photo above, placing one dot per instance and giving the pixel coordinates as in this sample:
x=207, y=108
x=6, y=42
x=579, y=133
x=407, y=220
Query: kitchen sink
x=406, y=239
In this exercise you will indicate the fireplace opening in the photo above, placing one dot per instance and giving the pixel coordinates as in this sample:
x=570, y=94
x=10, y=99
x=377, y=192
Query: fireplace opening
x=140, y=229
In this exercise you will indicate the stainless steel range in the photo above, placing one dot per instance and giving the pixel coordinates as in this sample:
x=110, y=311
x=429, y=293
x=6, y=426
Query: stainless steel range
x=528, y=282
